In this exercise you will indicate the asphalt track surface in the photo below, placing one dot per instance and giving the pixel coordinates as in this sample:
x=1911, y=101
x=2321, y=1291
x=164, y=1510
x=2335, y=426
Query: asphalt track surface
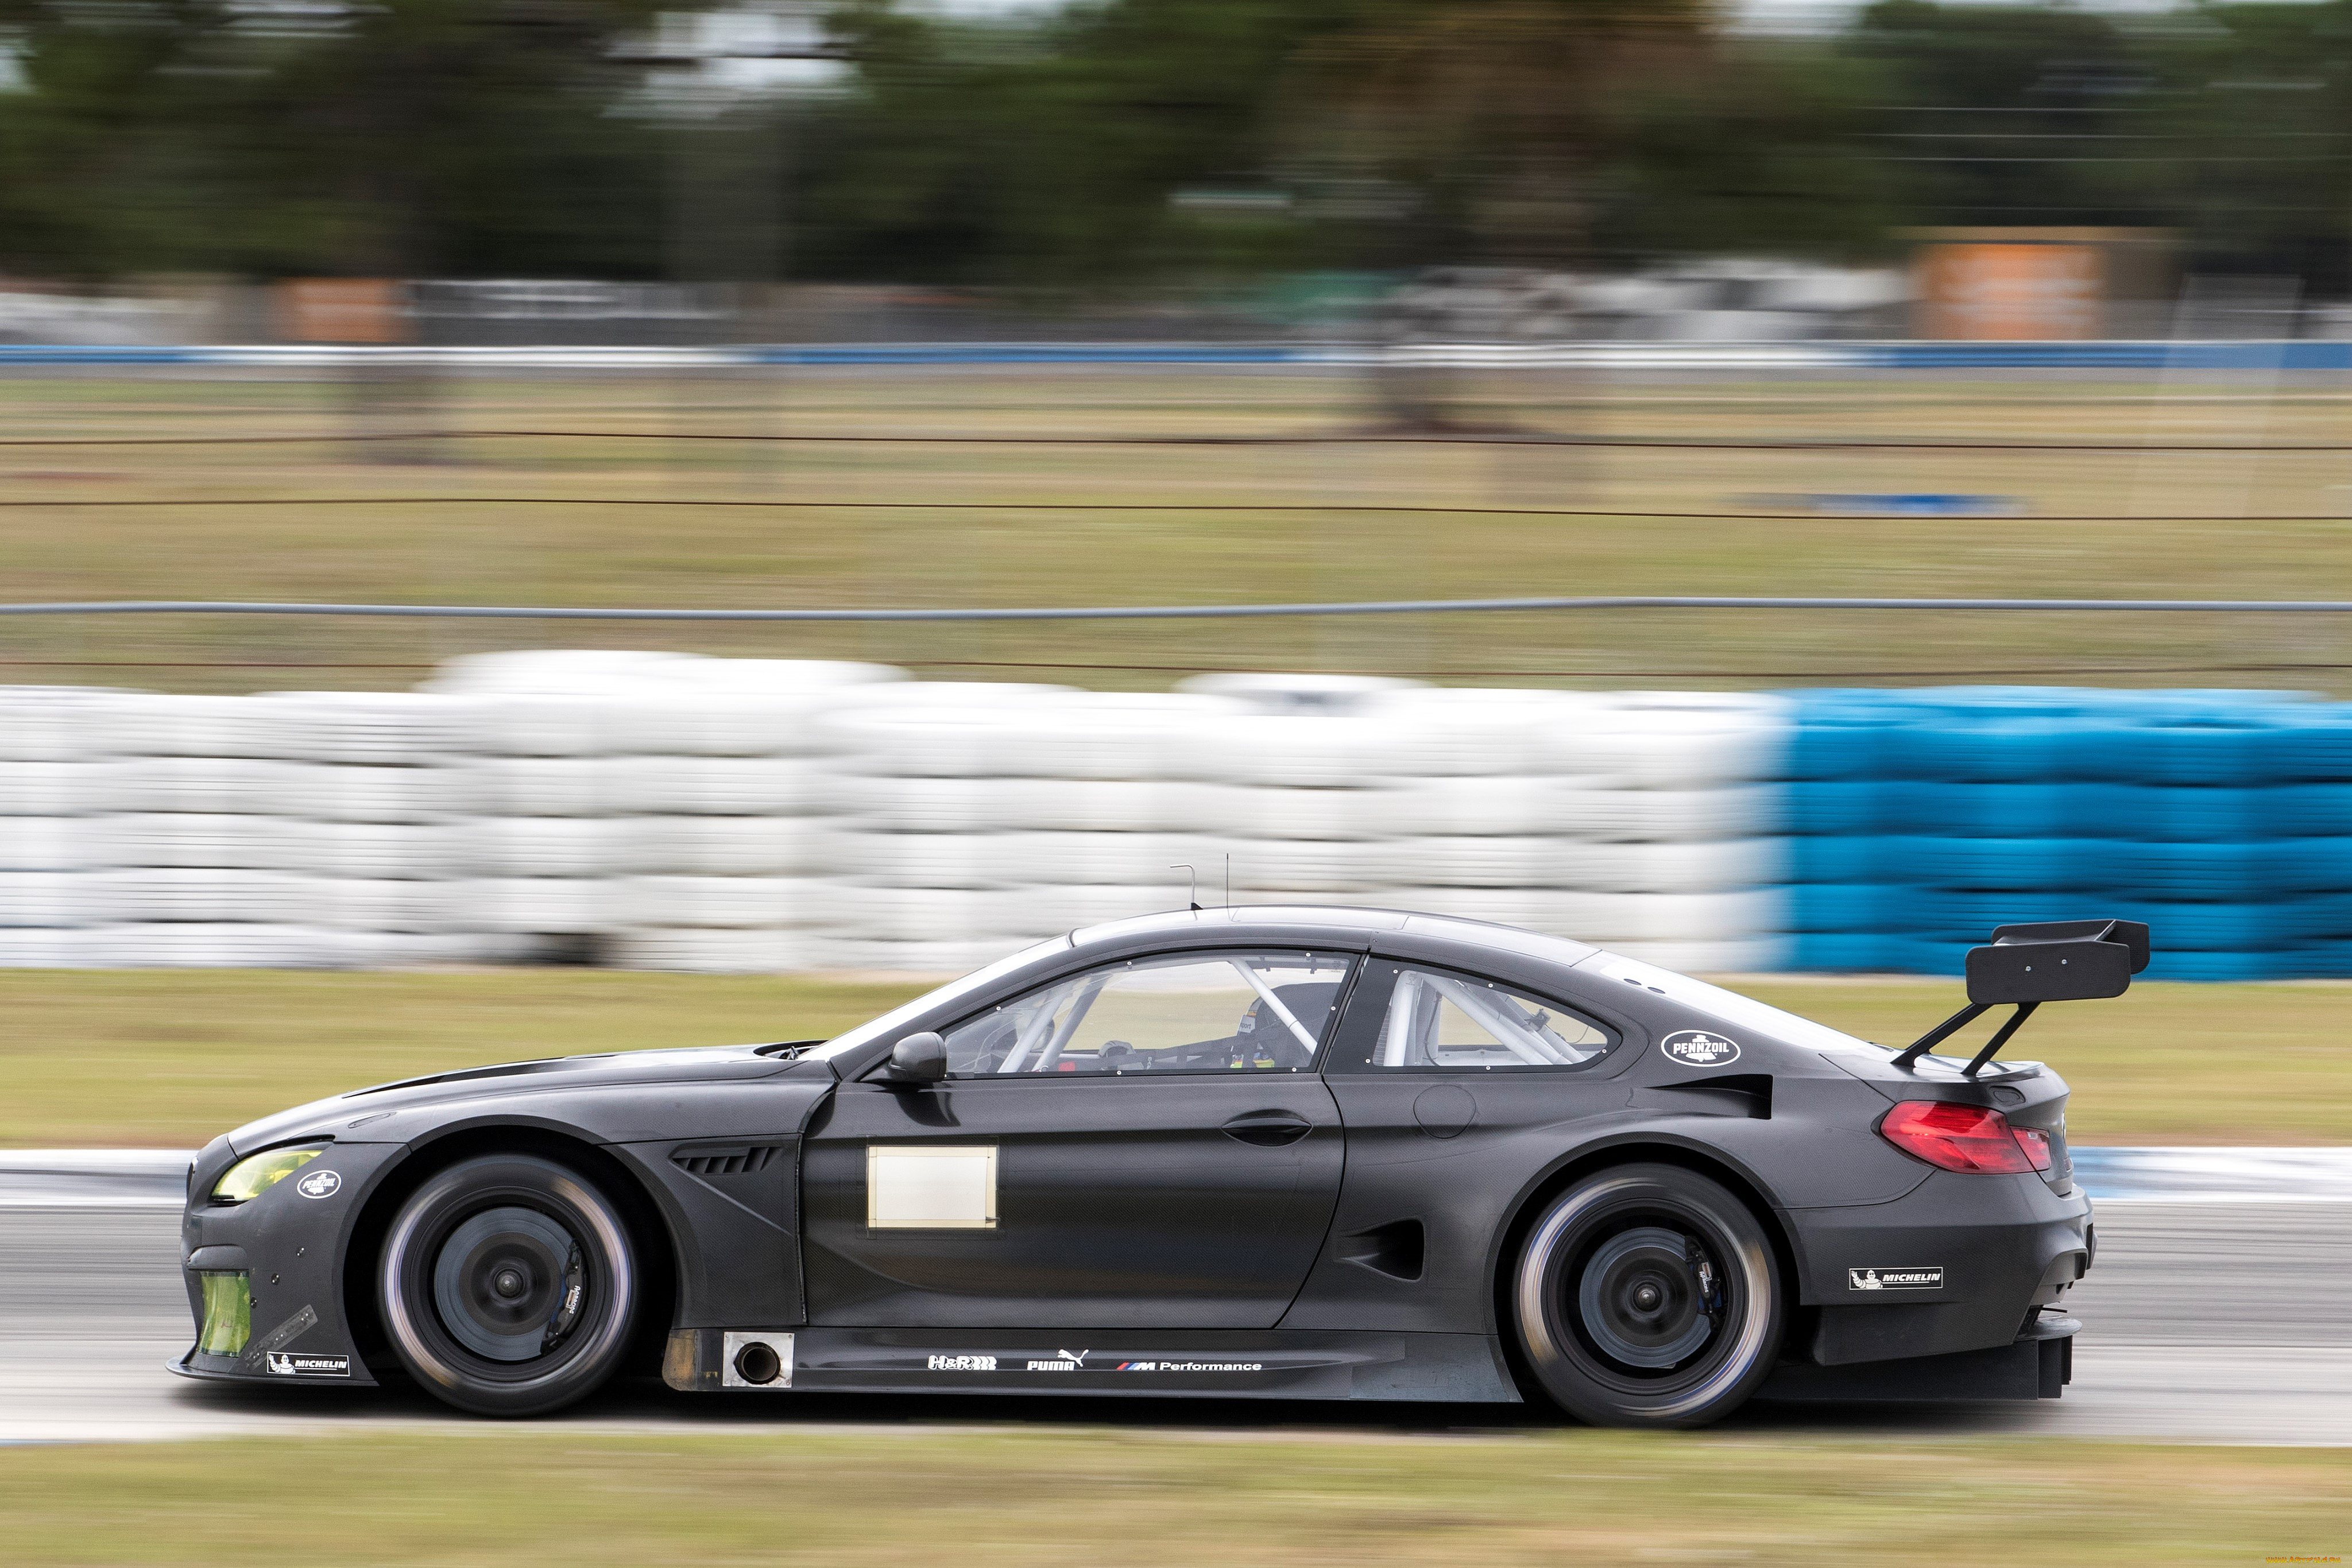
x=2220, y=1321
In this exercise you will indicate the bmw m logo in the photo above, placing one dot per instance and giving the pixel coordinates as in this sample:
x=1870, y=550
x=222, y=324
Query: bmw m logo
x=1698, y=1048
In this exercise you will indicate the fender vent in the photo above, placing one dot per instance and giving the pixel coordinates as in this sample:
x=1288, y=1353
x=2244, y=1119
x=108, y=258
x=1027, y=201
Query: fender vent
x=1396, y=1249
x=725, y=1160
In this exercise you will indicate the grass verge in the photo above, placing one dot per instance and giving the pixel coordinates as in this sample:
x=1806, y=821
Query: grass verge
x=158, y=1058
x=1141, y=1498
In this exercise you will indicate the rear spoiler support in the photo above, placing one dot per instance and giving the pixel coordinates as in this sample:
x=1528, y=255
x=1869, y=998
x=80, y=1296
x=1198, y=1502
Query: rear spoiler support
x=2026, y=966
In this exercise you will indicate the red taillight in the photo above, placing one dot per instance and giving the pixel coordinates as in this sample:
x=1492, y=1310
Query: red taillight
x=1965, y=1138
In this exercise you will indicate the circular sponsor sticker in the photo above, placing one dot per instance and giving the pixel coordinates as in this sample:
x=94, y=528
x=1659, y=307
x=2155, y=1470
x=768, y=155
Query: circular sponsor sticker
x=319, y=1184
x=1699, y=1048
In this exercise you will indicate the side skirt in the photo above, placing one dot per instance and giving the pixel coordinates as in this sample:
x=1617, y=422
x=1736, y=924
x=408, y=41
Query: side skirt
x=1270, y=1363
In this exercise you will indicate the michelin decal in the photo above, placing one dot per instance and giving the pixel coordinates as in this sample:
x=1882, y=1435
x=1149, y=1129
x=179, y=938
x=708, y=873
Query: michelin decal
x=1895, y=1279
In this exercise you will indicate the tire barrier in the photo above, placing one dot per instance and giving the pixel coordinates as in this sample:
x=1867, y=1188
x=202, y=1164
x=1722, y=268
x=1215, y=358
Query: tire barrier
x=671, y=812
x=2220, y=818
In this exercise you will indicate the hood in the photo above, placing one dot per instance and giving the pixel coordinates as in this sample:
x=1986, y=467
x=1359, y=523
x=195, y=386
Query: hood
x=348, y=1117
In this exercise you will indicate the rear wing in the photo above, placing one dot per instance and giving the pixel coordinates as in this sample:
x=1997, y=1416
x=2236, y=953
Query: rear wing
x=2026, y=966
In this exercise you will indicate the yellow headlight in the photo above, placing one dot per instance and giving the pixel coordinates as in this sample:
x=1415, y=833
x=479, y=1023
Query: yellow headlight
x=250, y=1178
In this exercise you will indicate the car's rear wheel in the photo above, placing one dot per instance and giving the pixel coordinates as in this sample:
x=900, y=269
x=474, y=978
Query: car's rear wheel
x=508, y=1285
x=1647, y=1295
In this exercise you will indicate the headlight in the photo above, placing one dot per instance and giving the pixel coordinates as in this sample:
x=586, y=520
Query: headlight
x=250, y=1178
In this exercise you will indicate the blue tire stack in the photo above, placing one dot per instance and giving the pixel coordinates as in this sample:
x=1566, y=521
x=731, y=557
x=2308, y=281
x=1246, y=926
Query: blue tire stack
x=2222, y=819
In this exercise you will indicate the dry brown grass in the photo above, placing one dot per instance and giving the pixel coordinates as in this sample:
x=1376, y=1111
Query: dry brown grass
x=663, y=521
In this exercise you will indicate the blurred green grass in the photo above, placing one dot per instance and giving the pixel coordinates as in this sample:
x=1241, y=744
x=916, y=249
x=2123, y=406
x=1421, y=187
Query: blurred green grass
x=170, y=1058
x=655, y=514
x=1144, y=1498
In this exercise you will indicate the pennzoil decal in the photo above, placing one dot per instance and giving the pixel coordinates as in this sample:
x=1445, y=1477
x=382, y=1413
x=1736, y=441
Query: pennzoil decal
x=1894, y=1279
x=287, y=1364
x=319, y=1184
x=1699, y=1048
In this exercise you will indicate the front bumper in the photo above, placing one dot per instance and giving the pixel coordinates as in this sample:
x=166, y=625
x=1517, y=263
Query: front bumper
x=288, y=1250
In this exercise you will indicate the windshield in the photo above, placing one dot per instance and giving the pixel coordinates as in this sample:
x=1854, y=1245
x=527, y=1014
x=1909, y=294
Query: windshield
x=954, y=990
x=1729, y=1006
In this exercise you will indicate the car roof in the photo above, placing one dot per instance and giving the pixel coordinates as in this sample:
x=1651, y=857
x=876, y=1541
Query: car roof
x=1289, y=923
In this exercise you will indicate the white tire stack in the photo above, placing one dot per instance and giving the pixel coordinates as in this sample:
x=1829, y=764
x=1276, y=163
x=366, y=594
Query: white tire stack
x=651, y=810
x=666, y=810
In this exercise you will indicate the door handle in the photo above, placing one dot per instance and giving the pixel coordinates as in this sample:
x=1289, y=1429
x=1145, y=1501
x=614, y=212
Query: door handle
x=1268, y=1129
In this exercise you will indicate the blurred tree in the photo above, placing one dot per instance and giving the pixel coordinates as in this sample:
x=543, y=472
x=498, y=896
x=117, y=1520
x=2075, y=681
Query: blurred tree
x=1474, y=130
x=402, y=137
x=2011, y=115
x=2248, y=140
x=1759, y=148
x=1138, y=143
x=1048, y=153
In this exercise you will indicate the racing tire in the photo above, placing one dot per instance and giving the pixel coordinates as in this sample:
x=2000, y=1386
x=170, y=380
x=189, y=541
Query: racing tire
x=509, y=1286
x=1647, y=1295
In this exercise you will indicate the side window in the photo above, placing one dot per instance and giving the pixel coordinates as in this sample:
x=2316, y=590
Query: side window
x=1191, y=1012
x=1449, y=1020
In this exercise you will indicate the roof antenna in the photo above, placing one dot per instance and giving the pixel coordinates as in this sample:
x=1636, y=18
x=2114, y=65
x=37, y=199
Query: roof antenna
x=1229, y=878
x=1192, y=892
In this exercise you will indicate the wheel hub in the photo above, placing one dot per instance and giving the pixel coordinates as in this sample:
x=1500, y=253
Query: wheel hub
x=1647, y=1297
x=508, y=1282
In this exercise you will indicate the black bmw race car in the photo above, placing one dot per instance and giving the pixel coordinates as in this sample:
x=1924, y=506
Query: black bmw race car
x=1291, y=1152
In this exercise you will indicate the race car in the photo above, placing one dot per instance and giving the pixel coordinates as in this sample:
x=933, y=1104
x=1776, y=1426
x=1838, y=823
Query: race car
x=1257, y=1152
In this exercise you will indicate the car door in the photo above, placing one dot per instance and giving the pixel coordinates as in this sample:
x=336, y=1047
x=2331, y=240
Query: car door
x=1145, y=1144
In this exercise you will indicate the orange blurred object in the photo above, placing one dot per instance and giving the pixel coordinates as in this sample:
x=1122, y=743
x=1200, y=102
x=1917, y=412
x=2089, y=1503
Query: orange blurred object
x=342, y=310
x=2012, y=291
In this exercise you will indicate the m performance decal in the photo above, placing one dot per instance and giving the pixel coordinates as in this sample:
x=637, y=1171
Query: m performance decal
x=1895, y=1279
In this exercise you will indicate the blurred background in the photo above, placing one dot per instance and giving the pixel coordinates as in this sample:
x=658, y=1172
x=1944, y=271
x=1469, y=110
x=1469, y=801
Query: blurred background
x=1171, y=302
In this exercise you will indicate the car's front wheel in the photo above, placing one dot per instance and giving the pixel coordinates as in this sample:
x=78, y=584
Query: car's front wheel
x=1647, y=1295
x=508, y=1285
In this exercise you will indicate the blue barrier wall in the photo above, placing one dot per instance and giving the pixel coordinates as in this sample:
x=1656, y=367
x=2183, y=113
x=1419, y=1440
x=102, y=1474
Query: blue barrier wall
x=2223, y=819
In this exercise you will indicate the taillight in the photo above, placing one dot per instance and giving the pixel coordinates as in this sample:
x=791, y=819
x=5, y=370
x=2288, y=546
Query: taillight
x=1965, y=1138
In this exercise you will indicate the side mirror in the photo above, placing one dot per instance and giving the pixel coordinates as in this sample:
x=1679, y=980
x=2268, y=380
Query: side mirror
x=919, y=1059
